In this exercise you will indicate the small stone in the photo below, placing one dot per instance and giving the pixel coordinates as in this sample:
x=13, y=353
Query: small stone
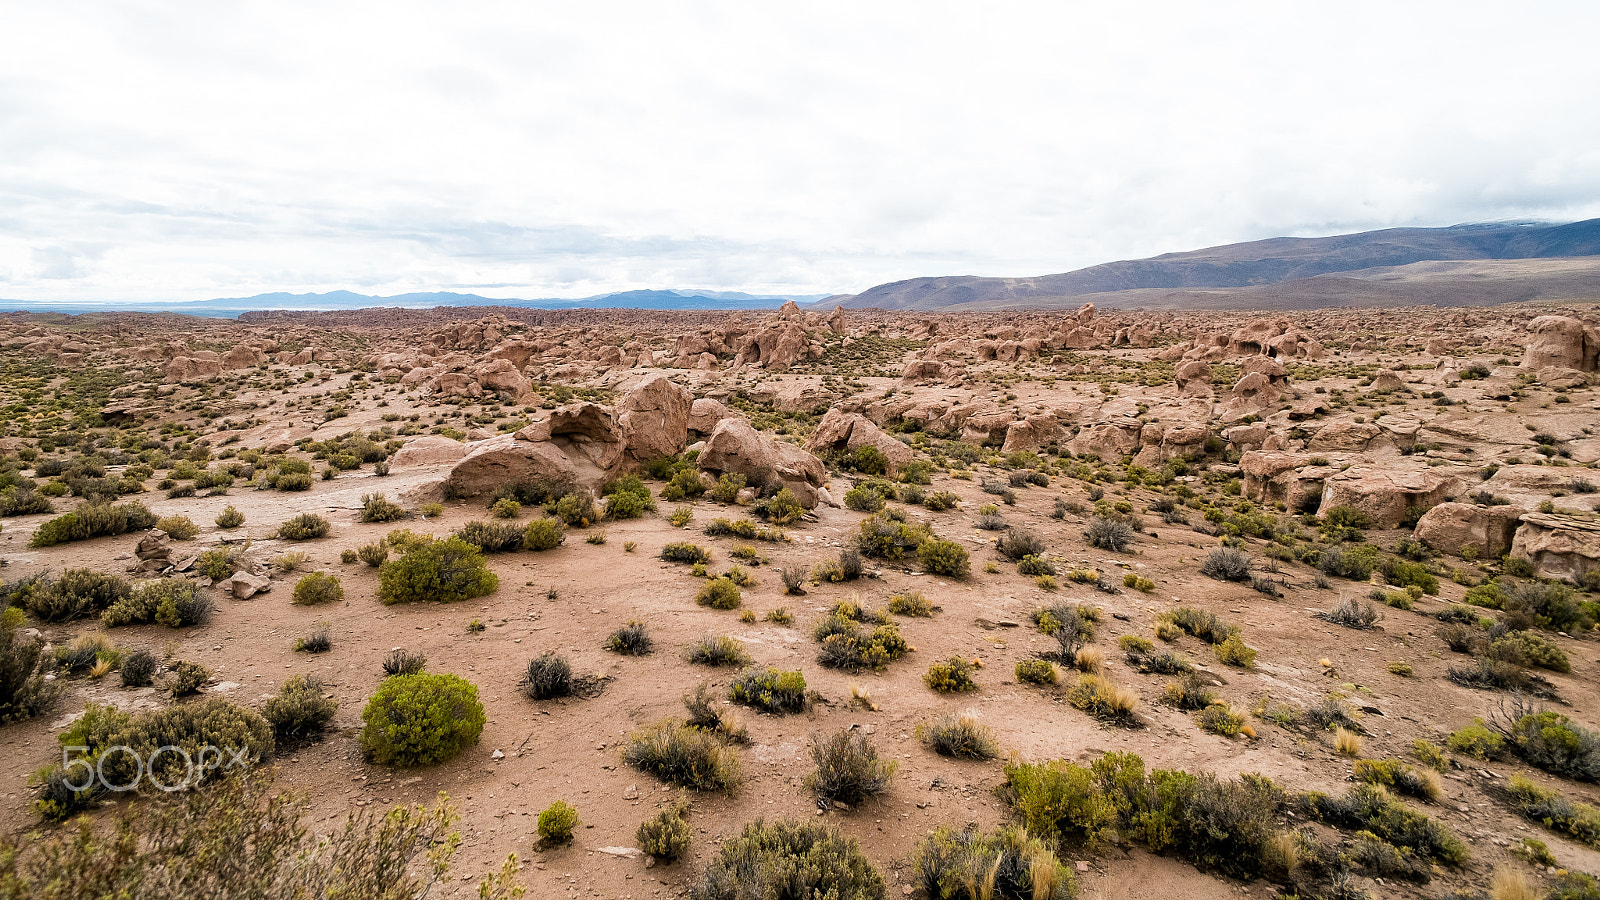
x=1083, y=866
x=497, y=755
x=631, y=792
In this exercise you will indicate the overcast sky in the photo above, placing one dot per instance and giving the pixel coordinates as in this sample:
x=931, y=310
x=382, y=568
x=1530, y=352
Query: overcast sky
x=152, y=149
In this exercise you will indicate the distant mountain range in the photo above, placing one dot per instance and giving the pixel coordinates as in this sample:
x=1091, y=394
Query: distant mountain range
x=1460, y=265
x=341, y=300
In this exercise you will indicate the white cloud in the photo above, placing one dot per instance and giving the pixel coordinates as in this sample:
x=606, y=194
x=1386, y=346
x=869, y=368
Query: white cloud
x=230, y=147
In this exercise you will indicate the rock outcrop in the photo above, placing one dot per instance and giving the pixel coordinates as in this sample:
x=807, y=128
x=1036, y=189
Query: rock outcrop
x=1387, y=493
x=1454, y=527
x=1562, y=342
x=736, y=447
x=1560, y=546
x=846, y=432
x=654, y=418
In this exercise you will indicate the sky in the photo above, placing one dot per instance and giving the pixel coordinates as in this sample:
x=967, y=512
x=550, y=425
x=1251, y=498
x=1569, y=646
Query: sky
x=154, y=150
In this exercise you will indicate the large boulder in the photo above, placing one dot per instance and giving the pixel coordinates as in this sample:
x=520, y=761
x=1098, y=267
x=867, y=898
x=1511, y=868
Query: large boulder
x=1564, y=342
x=1454, y=527
x=1388, y=493
x=847, y=432
x=580, y=445
x=1344, y=436
x=188, y=368
x=705, y=413
x=1108, y=440
x=737, y=448
x=1193, y=377
x=1560, y=545
x=1035, y=432
x=654, y=418
x=429, y=450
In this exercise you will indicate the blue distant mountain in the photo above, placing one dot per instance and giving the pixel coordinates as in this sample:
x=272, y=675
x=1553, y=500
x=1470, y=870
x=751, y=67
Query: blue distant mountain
x=342, y=300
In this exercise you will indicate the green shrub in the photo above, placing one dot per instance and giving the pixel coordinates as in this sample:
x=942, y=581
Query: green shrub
x=770, y=690
x=1233, y=652
x=847, y=647
x=378, y=508
x=1037, y=671
x=1190, y=692
x=1394, y=773
x=300, y=710
x=960, y=736
x=575, y=509
x=941, y=557
x=420, y=720
x=188, y=678
x=743, y=528
x=719, y=593
x=1098, y=697
x=557, y=822
x=863, y=498
x=217, y=563
x=1577, y=821
x=666, y=836
x=1430, y=754
x=1220, y=718
x=1108, y=534
x=318, y=588
x=104, y=732
x=940, y=501
x=444, y=571
x=492, y=537
x=848, y=768
x=1368, y=807
x=77, y=593
x=505, y=508
x=179, y=528
x=632, y=639
x=783, y=508
x=1226, y=564
x=628, y=498
x=717, y=650
x=1554, y=743
x=549, y=675
x=1009, y=864
x=887, y=535
x=684, y=552
x=138, y=669
x=374, y=555
x=686, y=756
x=172, y=602
x=93, y=519
x=684, y=485
x=952, y=675
x=789, y=859
x=727, y=488
x=318, y=640
x=24, y=690
x=401, y=661
x=911, y=604
x=543, y=534
x=304, y=527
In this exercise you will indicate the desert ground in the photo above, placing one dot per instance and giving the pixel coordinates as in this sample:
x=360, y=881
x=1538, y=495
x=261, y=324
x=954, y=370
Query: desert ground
x=1331, y=501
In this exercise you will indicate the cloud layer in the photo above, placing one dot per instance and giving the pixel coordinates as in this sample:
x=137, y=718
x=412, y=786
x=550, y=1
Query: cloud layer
x=185, y=151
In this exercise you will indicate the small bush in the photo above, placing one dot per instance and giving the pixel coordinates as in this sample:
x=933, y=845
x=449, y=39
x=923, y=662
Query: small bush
x=1226, y=564
x=684, y=552
x=1577, y=821
x=789, y=859
x=689, y=757
x=575, y=509
x=317, y=641
x=703, y=714
x=548, y=676
x=139, y=669
x=1476, y=741
x=179, y=528
x=1394, y=773
x=557, y=822
x=172, y=602
x=717, y=650
x=300, y=710
x=863, y=498
x=770, y=690
x=794, y=580
x=1037, y=671
x=378, y=508
x=1199, y=623
x=92, y=520
x=960, y=737
x=1351, y=613
x=505, y=508
x=848, y=768
x=940, y=501
x=666, y=836
x=543, y=534
x=492, y=537
x=1098, y=697
x=1018, y=543
x=24, y=689
x=632, y=639
x=318, y=588
x=941, y=557
x=911, y=604
x=1108, y=534
x=1369, y=807
x=295, y=481
x=374, y=555
x=1009, y=865
x=304, y=527
x=727, y=488
x=77, y=593
x=950, y=676
x=420, y=720
x=1220, y=718
x=1551, y=741
x=291, y=561
x=403, y=662
x=719, y=593
x=1189, y=693
x=444, y=571
x=188, y=678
